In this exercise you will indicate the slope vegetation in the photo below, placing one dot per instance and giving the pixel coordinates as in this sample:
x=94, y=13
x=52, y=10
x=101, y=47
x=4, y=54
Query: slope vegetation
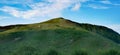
x=58, y=36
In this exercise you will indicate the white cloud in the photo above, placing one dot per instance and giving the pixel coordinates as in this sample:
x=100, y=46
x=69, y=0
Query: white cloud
x=11, y=10
x=76, y=7
x=3, y=17
x=115, y=27
x=48, y=8
x=94, y=6
x=106, y=2
x=16, y=1
x=109, y=2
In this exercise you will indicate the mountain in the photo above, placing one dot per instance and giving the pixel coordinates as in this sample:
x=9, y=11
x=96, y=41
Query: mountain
x=58, y=36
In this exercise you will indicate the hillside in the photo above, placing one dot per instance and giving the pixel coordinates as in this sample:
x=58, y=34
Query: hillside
x=58, y=36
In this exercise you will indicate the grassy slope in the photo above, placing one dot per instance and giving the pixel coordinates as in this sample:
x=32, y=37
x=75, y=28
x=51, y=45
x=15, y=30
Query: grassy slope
x=61, y=35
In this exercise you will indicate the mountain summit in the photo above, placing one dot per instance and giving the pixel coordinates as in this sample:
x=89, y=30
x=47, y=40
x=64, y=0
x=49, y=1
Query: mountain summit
x=58, y=36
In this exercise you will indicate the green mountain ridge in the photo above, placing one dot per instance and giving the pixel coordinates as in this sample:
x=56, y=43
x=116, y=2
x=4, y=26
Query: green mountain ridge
x=58, y=35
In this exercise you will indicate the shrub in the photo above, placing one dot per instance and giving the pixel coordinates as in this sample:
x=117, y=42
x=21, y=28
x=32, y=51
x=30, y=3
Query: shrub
x=52, y=52
x=25, y=50
x=112, y=52
x=80, y=53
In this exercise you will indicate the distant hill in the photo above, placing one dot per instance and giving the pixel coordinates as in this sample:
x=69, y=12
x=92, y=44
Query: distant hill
x=58, y=36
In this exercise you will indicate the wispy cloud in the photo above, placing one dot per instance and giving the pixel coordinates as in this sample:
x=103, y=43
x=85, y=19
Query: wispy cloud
x=109, y=2
x=16, y=1
x=94, y=6
x=106, y=2
x=101, y=4
x=3, y=17
x=47, y=8
x=76, y=7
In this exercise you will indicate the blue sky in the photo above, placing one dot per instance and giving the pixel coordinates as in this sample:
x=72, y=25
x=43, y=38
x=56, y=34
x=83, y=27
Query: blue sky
x=99, y=12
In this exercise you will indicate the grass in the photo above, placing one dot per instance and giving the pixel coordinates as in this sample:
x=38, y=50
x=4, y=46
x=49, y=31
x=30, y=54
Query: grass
x=59, y=37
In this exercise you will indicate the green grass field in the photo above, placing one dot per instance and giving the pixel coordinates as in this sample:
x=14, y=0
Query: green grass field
x=58, y=37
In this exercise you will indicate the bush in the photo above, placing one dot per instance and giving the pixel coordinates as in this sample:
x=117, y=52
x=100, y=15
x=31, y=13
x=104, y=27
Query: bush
x=52, y=52
x=80, y=53
x=112, y=52
x=25, y=50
